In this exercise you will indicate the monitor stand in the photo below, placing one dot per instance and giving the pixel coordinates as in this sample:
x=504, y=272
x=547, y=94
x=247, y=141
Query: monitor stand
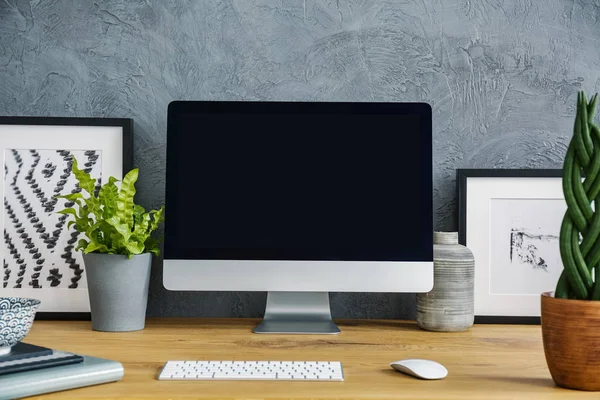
x=298, y=313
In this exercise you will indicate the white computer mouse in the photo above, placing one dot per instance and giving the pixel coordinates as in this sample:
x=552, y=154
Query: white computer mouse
x=424, y=369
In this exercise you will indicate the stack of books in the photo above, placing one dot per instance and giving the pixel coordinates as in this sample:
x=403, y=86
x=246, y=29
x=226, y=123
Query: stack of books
x=30, y=370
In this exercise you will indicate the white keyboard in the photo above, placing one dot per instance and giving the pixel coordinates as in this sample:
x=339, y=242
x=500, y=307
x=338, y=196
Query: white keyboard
x=253, y=370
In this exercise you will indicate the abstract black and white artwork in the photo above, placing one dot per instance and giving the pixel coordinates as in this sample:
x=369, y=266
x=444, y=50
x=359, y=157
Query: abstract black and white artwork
x=525, y=258
x=527, y=248
x=39, y=246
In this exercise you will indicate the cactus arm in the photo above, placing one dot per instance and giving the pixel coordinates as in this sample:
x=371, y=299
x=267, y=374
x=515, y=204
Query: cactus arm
x=575, y=282
x=580, y=146
x=594, y=169
x=591, y=108
x=573, y=210
x=592, y=185
x=595, y=189
x=591, y=236
x=582, y=269
x=562, y=287
x=585, y=129
x=593, y=258
x=579, y=193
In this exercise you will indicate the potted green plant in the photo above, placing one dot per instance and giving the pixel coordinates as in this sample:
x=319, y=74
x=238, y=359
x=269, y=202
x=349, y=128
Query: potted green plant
x=117, y=249
x=571, y=315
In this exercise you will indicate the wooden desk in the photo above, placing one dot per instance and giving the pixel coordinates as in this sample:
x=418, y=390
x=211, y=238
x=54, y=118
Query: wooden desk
x=489, y=362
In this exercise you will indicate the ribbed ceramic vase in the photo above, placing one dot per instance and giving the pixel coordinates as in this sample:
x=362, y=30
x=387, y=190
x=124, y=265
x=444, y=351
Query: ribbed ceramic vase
x=449, y=306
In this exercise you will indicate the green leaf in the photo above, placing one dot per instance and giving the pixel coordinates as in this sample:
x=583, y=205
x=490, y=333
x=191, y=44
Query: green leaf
x=108, y=196
x=67, y=211
x=95, y=246
x=93, y=205
x=81, y=224
x=70, y=224
x=122, y=228
x=116, y=240
x=158, y=217
x=134, y=247
x=86, y=182
x=125, y=203
x=71, y=196
x=151, y=246
x=81, y=244
x=138, y=214
x=138, y=210
x=74, y=197
x=84, y=211
x=141, y=227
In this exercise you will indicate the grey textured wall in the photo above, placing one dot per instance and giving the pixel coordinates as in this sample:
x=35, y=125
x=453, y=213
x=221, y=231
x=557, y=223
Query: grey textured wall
x=501, y=76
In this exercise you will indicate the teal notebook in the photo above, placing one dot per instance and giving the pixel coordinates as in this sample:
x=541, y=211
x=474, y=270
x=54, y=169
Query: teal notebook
x=92, y=371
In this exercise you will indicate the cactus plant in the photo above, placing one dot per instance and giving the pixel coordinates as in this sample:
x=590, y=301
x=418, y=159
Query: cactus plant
x=580, y=228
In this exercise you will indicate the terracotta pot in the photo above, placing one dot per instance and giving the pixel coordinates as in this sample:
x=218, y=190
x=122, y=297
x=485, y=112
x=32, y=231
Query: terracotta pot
x=571, y=333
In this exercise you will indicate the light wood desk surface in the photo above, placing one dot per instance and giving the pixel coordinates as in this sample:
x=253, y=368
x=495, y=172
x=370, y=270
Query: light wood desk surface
x=488, y=362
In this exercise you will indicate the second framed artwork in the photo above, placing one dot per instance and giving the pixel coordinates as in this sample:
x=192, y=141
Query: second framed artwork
x=39, y=260
x=510, y=219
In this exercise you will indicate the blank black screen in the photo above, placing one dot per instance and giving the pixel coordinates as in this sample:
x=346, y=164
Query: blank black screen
x=285, y=185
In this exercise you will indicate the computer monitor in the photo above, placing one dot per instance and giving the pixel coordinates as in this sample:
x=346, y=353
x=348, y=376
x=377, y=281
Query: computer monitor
x=298, y=200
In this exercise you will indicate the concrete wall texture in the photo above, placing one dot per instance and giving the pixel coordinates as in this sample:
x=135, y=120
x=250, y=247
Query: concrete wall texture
x=501, y=76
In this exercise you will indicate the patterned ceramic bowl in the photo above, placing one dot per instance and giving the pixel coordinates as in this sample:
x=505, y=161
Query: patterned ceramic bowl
x=16, y=318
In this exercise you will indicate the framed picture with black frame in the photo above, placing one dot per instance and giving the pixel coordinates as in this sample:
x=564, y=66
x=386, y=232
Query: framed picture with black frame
x=510, y=219
x=38, y=248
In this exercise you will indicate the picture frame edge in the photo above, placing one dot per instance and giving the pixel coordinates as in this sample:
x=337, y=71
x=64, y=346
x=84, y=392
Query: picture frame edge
x=127, y=145
x=506, y=320
x=63, y=316
x=127, y=126
x=462, y=175
x=68, y=121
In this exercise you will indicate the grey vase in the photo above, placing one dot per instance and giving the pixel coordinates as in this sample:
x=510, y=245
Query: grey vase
x=118, y=291
x=449, y=306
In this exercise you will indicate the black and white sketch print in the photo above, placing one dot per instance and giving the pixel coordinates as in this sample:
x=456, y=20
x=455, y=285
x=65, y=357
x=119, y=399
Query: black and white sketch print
x=39, y=249
x=524, y=247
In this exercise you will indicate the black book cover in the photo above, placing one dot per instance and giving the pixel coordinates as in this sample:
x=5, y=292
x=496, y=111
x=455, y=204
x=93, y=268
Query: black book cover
x=24, y=350
x=29, y=364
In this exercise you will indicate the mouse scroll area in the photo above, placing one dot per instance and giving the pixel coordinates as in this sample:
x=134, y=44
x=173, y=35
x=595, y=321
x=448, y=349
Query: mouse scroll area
x=423, y=369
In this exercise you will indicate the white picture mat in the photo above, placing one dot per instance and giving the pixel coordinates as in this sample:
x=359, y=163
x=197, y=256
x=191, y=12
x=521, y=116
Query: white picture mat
x=480, y=192
x=108, y=140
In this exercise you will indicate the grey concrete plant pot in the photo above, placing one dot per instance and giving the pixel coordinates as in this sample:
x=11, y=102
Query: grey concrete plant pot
x=118, y=290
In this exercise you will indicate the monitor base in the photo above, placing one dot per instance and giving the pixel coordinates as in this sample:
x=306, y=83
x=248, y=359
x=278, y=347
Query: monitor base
x=305, y=313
